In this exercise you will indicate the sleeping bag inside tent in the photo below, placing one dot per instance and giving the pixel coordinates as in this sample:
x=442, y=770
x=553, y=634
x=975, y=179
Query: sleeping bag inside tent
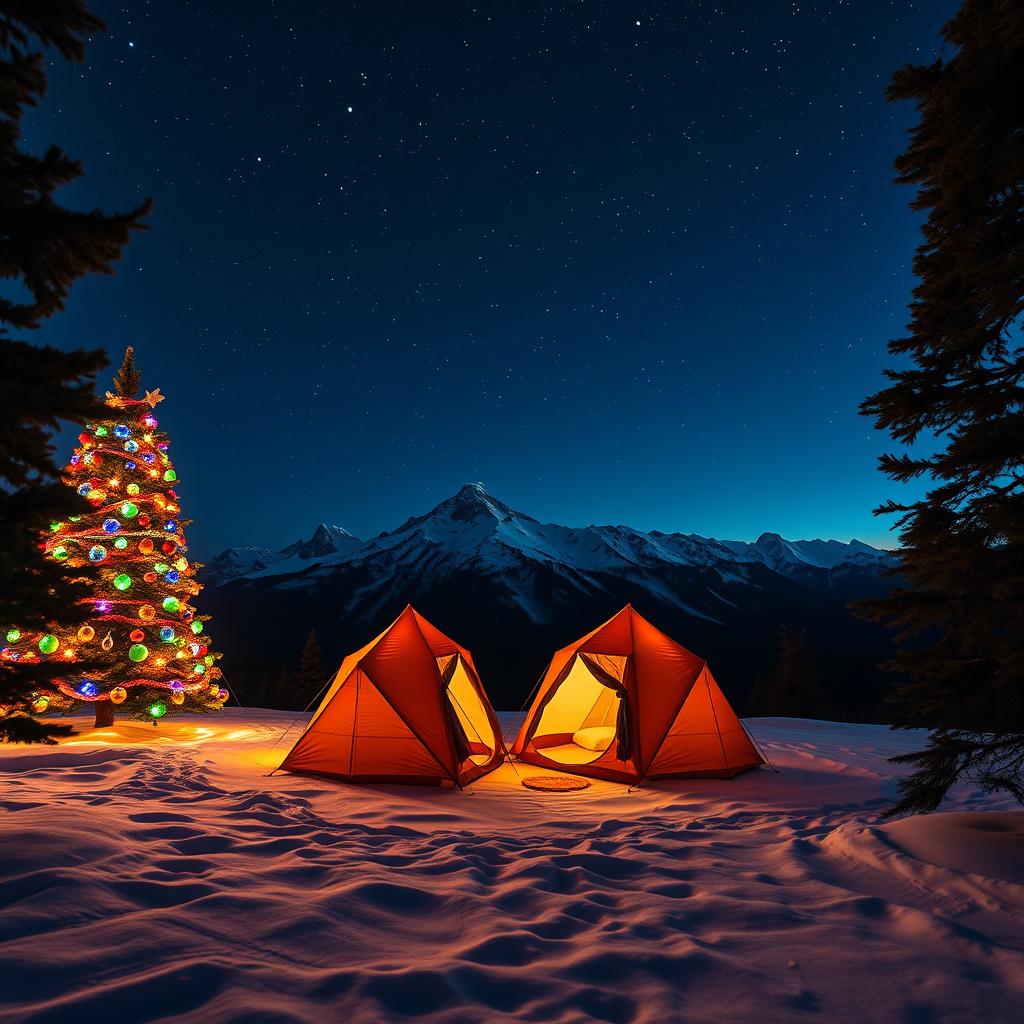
x=627, y=703
x=408, y=707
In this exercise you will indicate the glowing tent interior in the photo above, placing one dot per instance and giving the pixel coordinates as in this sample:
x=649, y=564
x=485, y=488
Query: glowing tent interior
x=627, y=703
x=408, y=707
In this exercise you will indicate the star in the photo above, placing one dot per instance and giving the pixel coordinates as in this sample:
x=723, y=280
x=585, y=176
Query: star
x=152, y=397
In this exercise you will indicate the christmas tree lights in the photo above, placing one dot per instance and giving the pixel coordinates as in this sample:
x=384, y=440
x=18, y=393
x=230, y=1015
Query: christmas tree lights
x=144, y=648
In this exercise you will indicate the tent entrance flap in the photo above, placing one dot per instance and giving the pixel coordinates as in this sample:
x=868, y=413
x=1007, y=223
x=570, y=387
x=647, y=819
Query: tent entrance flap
x=469, y=710
x=579, y=723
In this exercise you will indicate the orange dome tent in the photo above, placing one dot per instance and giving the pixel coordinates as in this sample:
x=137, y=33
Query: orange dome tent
x=408, y=707
x=626, y=703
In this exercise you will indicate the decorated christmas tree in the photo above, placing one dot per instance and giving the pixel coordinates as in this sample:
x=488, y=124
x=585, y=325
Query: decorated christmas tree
x=144, y=647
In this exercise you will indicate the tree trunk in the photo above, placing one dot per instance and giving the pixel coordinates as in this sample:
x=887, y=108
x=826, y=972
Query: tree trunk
x=104, y=714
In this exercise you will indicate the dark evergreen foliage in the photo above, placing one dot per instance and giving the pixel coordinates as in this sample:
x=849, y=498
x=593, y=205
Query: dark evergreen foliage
x=794, y=689
x=309, y=679
x=44, y=249
x=128, y=378
x=960, y=614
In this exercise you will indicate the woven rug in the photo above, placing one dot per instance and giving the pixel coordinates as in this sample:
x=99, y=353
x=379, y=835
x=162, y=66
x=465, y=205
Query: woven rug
x=555, y=783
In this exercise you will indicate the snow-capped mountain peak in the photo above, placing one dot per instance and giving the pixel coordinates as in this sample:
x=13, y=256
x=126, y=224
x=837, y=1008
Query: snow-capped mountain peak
x=473, y=530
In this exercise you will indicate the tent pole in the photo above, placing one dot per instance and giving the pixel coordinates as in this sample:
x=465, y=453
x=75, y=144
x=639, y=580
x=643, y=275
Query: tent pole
x=714, y=715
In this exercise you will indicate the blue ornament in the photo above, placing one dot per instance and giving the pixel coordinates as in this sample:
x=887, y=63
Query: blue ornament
x=166, y=634
x=76, y=459
x=111, y=525
x=131, y=447
x=84, y=489
x=121, y=431
x=146, y=456
x=97, y=553
x=172, y=576
x=87, y=688
x=130, y=465
x=171, y=526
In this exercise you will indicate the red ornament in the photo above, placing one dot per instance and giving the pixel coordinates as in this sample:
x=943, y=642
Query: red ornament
x=146, y=546
x=137, y=636
x=144, y=520
x=150, y=577
x=168, y=547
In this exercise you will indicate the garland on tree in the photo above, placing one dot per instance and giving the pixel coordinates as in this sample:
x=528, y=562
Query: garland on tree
x=143, y=645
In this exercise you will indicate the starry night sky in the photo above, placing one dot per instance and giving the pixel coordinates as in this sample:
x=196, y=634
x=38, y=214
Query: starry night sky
x=625, y=263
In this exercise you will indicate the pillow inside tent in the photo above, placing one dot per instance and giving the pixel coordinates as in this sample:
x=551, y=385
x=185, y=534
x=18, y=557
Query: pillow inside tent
x=596, y=737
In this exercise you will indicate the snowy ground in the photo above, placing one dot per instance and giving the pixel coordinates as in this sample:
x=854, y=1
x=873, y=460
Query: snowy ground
x=157, y=874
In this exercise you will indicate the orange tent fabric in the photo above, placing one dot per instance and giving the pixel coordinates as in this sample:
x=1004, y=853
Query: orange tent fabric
x=627, y=703
x=408, y=707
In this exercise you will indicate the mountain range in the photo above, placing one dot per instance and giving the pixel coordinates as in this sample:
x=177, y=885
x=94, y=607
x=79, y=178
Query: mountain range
x=513, y=589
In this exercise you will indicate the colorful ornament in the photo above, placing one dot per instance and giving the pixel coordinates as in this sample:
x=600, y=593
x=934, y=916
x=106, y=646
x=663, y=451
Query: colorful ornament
x=166, y=634
x=13, y=636
x=197, y=626
x=97, y=553
x=107, y=643
x=172, y=576
x=40, y=704
x=132, y=489
x=157, y=709
x=170, y=476
x=172, y=604
x=144, y=521
x=146, y=546
x=121, y=431
x=111, y=525
x=147, y=613
x=150, y=577
x=86, y=633
x=48, y=644
x=177, y=685
x=118, y=695
x=177, y=697
x=131, y=447
x=87, y=688
x=171, y=526
x=138, y=652
x=122, y=581
x=60, y=553
x=168, y=547
x=129, y=510
x=222, y=695
x=137, y=636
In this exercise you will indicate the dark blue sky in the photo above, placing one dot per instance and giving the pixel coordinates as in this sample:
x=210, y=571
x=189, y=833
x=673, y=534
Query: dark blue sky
x=623, y=262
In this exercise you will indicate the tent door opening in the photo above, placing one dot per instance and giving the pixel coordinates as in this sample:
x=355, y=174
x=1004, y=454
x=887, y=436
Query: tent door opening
x=578, y=723
x=468, y=709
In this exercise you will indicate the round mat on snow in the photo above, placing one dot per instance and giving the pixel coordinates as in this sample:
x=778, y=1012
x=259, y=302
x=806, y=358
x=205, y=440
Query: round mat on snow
x=555, y=783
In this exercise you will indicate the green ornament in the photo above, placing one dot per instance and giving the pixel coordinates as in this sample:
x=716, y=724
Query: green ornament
x=200, y=669
x=121, y=543
x=60, y=553
x=208, y=659
x=75, y=519
x=157, y=709
x=170, y=476
x=55, y=527
x=138, y=652
x=102, y=431
x=197, y=626
x=48, y=644
x=129, y=510
x=122, y=581
x=161, y=567
x=13, y=636
x=171, y=604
